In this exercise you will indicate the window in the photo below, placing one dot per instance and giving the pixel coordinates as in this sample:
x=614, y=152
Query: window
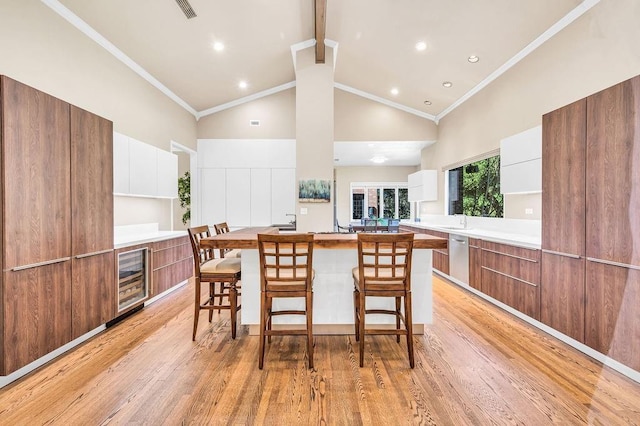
x=474, y=189
x=385, y=200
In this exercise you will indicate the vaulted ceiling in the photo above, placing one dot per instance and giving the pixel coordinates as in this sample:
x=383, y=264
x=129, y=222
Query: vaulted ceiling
x=376, y=44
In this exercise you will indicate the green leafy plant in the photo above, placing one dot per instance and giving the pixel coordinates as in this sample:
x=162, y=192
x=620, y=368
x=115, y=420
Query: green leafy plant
x=184, y=194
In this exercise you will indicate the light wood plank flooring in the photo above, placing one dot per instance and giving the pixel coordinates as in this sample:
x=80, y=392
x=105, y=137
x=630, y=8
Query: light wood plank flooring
x=476, y=365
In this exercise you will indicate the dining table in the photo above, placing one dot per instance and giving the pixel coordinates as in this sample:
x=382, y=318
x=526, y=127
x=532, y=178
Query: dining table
x=334, y=257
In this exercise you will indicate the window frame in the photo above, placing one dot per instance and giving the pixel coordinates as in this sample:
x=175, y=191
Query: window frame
x=381, y=186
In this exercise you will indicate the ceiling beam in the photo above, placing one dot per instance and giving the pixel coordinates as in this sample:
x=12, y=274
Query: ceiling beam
x=321, y=27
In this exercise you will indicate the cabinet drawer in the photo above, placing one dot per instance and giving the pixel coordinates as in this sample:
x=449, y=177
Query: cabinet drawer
x=518, y=263
x=475, y=243
x=169, y=276
x=170, y=255
x=440, y=262
x=513, y=292
x=159, y=245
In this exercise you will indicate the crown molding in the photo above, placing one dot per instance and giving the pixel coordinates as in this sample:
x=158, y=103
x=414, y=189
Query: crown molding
x=85, y=28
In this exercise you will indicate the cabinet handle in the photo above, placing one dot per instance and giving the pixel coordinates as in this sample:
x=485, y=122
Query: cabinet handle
x=35, y=265
x=510, y=255
x=95, y=253
x=510, y=276
x=459, y=241
x=612, y=263
x=557, y=253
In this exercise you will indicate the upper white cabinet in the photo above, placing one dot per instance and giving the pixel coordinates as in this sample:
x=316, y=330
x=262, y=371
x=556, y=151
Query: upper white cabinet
x=283, y=195
x=261, y=197
x=521, y=162
x=238, y=197
x=140, y=169
x=423, y=185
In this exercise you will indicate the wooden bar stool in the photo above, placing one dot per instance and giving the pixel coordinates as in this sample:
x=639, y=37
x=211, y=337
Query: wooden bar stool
x=223, y=228
x=207, y=269
x=285, y=272
x=384, y=270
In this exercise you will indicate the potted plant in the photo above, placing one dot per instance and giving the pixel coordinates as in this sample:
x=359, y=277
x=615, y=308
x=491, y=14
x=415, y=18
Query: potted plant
x=184, y=195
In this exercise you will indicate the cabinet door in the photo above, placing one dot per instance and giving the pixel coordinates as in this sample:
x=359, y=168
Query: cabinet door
x=613, y=165
x=143, y=168
x=283, y=194
x=93, y=292
x=261, y=197
x=213, y=196
x=612, y=314
x=120, y=163
x=563, y=179
x=35, y=171
x=92, y=182
x=562, y=294
x=475, y=263
x=238, y=197
x=36, y=302
x=167, y=174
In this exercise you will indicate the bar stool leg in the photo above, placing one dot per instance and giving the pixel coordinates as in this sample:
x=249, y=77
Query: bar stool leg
x=356, y=312
x=263, y=313
x=196, y=314
x=269, y=317
x=398, y=313
x=309, y=300
x=409, y=325
x=233, y=301
x=362, y=308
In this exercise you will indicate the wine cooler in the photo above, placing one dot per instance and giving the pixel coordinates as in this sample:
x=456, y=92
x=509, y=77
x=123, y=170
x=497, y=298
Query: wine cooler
x=133, y=278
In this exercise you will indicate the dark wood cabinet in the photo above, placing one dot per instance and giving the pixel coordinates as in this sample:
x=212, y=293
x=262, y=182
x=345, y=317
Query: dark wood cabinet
x=439, y=257
x=92, y=292
x=36, y=302
x=512, y=275
x=613, y=165
x=562, y=294
x=35, y=176
x=57, y=208
x=612, y=314
x=172, y=263
x=475, y=263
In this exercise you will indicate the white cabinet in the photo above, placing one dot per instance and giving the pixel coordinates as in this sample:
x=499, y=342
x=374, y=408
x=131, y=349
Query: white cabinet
x=213, y=194
x=120, y=163
x=143, y=168
x=423, y=185
x=521, y=162
x=167, y=174
x=238, y=199
x=261, y=197
x=283, y=195
x=140, y=169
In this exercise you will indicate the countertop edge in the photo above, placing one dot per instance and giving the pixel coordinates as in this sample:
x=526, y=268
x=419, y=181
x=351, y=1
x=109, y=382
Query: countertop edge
x=134, y=240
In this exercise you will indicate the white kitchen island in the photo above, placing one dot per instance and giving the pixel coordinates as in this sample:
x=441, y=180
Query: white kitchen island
x=334, y=256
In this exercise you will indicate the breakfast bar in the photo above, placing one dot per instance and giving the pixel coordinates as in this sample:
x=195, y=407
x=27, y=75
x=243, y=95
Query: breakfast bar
x=334, y=257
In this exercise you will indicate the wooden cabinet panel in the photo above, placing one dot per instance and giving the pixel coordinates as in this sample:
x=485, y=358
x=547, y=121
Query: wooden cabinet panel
x=167, y=277
x=440, y=261
x=92, y=182
x=169, y=255
x=612, y=314
x=562, y=294
x=475, y=263
x=93, y=292
x=613, y=165
x=563, y=179
x=36, y=302
x=35, y=173
x=512, y=275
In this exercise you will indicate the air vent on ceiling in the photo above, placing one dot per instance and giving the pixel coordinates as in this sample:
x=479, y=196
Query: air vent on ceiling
x=254, y=122
x=186, y=8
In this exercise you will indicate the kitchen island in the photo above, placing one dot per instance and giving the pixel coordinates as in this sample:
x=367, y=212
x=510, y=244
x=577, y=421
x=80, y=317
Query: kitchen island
x=333, y=259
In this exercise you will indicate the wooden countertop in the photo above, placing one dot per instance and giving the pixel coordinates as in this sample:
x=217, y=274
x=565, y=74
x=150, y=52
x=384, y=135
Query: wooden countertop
x=247, y=238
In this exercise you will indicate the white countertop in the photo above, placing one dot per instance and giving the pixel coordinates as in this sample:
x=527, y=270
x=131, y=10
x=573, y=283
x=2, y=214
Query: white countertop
x=520, y=240
x=135, y=239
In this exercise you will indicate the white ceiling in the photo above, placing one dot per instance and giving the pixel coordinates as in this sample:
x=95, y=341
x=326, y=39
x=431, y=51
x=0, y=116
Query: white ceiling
x=376, y=45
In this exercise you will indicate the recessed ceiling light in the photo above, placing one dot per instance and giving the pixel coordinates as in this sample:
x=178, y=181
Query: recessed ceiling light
x=420, y=46
x=242, y=84
x=394, y=91
x=427, y=102
x=447, y=84
x=218, y=46
x=378, y=160
x=473, y=59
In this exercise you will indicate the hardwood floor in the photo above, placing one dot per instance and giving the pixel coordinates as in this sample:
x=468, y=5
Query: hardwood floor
x=475, y=365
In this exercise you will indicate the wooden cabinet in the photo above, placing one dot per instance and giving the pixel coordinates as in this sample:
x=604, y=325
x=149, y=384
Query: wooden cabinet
x=92, y=291
x=475, y=263
x=512, y=275
x=613, y=165
x=172, y=263
x=612, y=314
x=440, y=256
x=562, y=287
x=57, y=210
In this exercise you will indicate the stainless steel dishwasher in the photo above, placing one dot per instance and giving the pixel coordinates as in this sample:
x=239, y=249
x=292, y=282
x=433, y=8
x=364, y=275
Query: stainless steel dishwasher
x=459, y=257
